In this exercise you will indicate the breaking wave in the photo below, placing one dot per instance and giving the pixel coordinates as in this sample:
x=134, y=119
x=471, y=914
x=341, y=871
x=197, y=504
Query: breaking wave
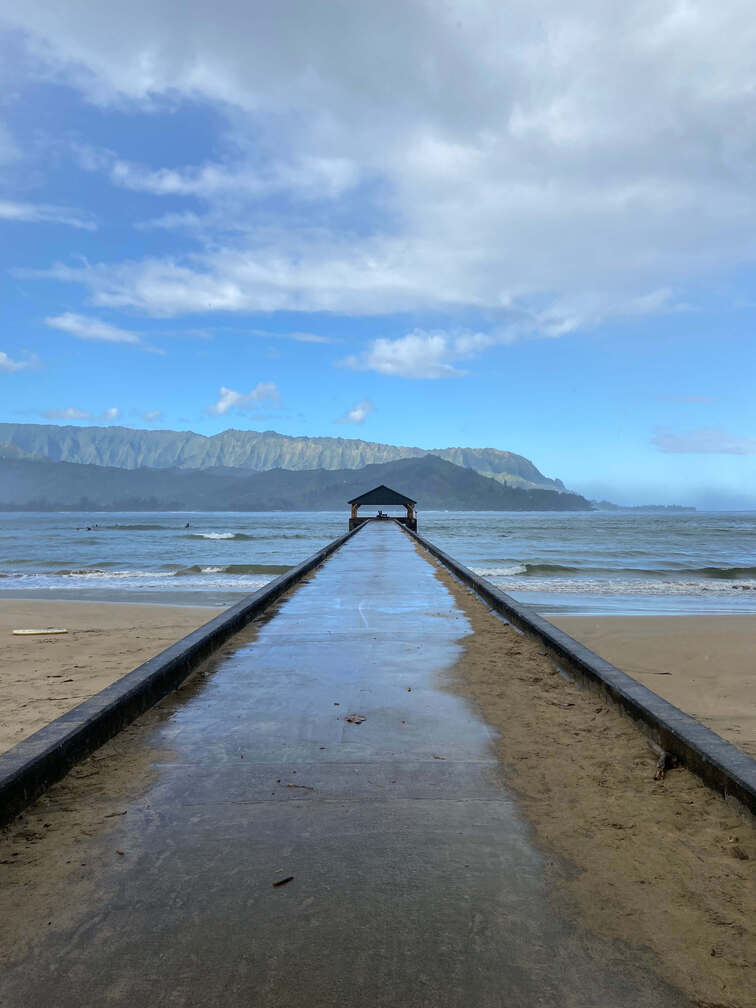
x=206, y=577
x=239, y=569
x=95, y=572
x=621, y=583
x=220, y=535
x=546, y=570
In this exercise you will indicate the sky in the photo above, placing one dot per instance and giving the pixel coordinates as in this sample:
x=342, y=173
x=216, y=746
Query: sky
x=526, y=225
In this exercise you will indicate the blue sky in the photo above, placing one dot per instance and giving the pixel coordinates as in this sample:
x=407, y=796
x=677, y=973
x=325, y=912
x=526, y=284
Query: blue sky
x=531, y=228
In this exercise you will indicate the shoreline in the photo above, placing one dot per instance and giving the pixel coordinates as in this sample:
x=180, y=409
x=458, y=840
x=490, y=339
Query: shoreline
x=147, y=604
x=220, y=598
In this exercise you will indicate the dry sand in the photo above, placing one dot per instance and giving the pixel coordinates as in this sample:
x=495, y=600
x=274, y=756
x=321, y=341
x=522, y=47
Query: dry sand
x=664, y=866
x=705, y=665
x=43, y=677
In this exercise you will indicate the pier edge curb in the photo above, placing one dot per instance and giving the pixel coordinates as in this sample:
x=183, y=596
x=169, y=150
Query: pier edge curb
x=717, y=762
x=35, y=763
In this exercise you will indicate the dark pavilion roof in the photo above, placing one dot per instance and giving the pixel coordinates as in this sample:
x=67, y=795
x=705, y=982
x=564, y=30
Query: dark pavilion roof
x=383, y=495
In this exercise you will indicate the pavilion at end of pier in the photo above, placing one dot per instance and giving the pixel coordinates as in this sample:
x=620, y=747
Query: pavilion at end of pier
x=380, y=496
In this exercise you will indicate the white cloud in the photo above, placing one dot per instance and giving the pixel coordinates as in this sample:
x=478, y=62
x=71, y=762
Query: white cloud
x=319, y=177
x=229, y=399
x=570, y=161
x=360, y=278
x=67, y=413
x=9, y=366
x=43, y=213
x=152, y=415
x=184, y=221
x=305, y=337
x=109, y=415
x=320, y=273
x=358, y=413
x=707, y=441
x=420, y=354
x=94, y=329
x=297, y=337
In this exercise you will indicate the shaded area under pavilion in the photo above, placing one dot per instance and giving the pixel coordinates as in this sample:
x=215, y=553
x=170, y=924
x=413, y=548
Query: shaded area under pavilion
x=383, y=496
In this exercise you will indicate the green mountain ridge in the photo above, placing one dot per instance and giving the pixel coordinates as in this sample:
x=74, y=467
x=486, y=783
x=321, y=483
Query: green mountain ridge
x=257, y=451
x=435, y=483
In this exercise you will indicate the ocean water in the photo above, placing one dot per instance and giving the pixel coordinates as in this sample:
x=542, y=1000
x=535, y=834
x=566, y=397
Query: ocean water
x=632, y=562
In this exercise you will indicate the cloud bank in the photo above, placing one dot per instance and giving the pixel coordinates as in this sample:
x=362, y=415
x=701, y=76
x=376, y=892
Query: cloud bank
x=573, y=163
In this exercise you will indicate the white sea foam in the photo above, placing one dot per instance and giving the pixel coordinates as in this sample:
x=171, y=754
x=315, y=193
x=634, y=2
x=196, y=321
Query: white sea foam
x=500, y=572
x=203, y=579
x=622, y=585
x=114, y=575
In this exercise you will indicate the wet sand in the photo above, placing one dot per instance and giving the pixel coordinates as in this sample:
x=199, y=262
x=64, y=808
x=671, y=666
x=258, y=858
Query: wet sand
x=43, y=677
x=666, y=866
x=705, y=665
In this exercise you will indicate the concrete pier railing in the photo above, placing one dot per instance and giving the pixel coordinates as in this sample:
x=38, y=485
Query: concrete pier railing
x=720, y=764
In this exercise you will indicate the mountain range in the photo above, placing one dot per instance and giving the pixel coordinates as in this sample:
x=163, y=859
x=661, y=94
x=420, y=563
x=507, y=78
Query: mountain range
x=257, y=451
x=41, y=485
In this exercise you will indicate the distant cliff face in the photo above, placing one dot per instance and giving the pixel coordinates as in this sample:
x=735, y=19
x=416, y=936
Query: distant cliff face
x=124, y=448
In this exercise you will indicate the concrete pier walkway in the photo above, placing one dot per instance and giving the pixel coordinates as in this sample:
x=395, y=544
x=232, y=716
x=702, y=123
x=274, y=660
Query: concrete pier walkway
x=415, y=881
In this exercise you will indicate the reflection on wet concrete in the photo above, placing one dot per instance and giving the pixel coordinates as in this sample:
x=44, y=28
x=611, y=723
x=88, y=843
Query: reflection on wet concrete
x=415, y=881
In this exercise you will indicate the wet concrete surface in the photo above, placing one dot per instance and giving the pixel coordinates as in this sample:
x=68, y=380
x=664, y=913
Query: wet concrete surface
x=416, y=882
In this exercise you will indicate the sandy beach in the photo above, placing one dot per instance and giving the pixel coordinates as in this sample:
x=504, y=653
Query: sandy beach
x=42, y=677
x=658, y=866
x=705, y=665
x=661, y=865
